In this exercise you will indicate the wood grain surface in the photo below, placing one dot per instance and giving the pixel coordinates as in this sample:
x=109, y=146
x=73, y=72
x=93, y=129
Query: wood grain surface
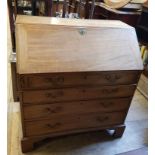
x=64, y=80
x=36, y=20
x=70, y=46
x=70, y=122
x=34, y=112
x=79, y=93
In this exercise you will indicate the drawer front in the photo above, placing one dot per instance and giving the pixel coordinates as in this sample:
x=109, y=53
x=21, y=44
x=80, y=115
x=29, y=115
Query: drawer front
x=76, y=107
x=72, y=122
x=61, y=80
x=82, y=93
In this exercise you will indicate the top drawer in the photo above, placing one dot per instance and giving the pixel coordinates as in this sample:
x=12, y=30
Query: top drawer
x=62, y=80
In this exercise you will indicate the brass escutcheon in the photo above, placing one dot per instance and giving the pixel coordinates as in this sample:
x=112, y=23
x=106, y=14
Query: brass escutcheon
x=82, y=31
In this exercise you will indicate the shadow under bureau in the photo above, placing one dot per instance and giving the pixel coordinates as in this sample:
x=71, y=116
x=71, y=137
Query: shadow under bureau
x=77, y=83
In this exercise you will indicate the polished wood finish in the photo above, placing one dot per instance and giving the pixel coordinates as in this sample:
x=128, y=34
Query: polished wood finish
x=73, y=122
x=34, y=112
x=50, y=21
x=82, y=84
x=109, y=49
x=64, y=80
x=137, y=115
x=74, y=107
x=82, y=93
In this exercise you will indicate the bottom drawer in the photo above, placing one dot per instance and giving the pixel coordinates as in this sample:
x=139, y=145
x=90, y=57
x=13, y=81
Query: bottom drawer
x=73, y=122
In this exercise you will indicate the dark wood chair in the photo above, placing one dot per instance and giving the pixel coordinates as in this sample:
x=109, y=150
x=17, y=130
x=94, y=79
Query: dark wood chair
x=83, y=8
x=53, y=8
x=128, y=14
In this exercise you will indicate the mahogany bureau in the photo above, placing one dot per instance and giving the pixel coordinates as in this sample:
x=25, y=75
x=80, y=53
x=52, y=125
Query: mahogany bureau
x=74, y=76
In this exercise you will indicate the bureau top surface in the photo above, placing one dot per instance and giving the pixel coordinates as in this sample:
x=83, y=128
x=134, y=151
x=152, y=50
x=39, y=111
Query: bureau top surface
x=46, y=45
x=23, y=19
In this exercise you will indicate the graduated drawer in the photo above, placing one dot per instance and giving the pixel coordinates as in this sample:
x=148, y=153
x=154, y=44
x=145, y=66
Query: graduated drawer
x=76, y=107
x=73, y=122
x=80, y=93
x=61, y=80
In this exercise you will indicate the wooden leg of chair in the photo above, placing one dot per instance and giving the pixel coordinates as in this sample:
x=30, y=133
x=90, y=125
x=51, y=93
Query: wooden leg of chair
x=119, y=131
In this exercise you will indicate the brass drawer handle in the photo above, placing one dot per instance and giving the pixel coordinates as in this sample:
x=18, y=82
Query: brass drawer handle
x=55, y=81
x=83, y=90
x=109, y=91
x=54, y=95
x=82, y=31
x=55, y=110
x=100, y=119
x=112, y=78
x=106, y=104
x=22, y=81
x=85, y=77
x=53, y=125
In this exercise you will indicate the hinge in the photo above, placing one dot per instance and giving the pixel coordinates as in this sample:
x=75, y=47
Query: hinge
x=12, y=57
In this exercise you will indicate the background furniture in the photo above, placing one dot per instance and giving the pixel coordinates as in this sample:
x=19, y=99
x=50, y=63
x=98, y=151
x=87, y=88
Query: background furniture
x=116, y=4
x=142, y=33
x=128, y=14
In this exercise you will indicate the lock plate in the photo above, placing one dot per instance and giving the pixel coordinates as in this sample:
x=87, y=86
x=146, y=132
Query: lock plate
x=82, y=31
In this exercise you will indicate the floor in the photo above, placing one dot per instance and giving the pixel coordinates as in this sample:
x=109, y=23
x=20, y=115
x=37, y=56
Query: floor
x=141, y=151
x=93, y=143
